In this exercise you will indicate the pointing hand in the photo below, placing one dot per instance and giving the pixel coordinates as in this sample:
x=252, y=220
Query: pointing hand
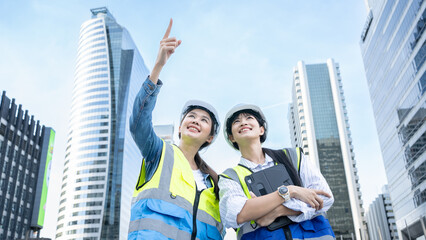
x=167, y=46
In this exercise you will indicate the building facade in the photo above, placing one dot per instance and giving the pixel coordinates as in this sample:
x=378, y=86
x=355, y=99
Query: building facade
x=394, y=49
x=26, y=149
x=381, y=219
x=319, y=124
x=102, y=161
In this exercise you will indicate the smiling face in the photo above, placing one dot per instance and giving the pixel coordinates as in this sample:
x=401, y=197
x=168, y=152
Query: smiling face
x=245, y=128
x=196, y=127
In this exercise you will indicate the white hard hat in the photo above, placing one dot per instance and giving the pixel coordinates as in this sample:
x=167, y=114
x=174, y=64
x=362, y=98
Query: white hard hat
x=240, y=108
x=191, y=104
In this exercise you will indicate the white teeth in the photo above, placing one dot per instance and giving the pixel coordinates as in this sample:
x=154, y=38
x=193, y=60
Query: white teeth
x=192, y=128
x=244, y=130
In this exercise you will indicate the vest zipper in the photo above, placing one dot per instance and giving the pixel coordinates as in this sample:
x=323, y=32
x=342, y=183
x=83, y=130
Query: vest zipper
x=194, y=213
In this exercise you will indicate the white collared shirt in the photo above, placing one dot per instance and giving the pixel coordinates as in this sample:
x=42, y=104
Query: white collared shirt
x=200, y=179
x=232, y=197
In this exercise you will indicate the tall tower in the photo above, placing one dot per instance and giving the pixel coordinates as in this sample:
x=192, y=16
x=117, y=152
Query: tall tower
x=319, y=124
x=393, y=45
x=26, y=149
x=381, y=219
x=101, y=159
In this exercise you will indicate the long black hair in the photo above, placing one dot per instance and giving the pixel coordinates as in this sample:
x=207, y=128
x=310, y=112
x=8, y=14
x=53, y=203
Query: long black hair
x=201, y=164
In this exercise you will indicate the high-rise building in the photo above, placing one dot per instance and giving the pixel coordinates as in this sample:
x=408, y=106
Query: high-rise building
x=101, y=160
x=380, y=218
x=394, y=52
x=165, y=132
x=26, y=149
x=319, y=124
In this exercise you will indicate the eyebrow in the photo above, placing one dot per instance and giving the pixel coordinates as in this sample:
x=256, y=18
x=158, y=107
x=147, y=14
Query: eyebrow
x=243, y=115
x=202, y=115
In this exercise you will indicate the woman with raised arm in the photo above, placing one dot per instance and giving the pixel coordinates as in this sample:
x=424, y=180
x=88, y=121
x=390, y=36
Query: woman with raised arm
x=302, y=203
x=176, y=196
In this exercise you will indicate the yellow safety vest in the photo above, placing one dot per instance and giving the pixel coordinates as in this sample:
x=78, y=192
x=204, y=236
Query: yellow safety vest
x=238, y=174
x=169, y=203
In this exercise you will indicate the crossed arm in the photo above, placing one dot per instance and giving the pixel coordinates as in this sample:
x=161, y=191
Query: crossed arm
x=236, y=208
x=306, y=202
x=267, y=208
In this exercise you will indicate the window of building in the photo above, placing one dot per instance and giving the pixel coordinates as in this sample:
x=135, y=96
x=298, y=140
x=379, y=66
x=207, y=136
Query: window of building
x=96, y=178
x=419, y=197
x=88, y=212
x=89, y=195
x=92, y=221
x=72, y=223
x=2, y=129
x=91, y=230
x=88, y=204
x=93, y=170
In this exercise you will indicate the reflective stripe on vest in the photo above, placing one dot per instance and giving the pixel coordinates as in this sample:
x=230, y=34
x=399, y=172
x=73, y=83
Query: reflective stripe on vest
x=239, y=172
x=157, y=226
x=169, y=197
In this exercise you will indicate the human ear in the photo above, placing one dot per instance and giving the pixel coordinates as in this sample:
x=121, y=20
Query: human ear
x=231, y=138
x=210, y=139
x=262, y=131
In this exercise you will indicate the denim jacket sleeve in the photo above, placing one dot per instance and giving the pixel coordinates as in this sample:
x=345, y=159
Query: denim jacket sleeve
x=141, y=128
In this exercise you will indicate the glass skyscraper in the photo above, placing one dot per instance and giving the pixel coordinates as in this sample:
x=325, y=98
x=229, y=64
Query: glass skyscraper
x=394, y=49
x=319, y=124
x=101, y=159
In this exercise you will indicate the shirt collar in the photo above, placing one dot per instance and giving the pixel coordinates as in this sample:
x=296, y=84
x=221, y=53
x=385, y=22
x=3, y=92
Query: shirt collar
x=247, y=163
x=205, y=178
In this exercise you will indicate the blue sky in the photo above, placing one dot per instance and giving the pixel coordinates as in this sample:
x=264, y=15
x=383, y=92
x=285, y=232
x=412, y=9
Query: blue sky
x=231, y=52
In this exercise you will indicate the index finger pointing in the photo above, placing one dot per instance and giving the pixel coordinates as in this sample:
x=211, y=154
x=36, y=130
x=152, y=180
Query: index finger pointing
x=166, y=35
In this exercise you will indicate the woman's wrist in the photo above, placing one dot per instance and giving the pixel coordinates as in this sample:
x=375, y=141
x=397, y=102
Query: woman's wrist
x=293, y=191
x=155, y=73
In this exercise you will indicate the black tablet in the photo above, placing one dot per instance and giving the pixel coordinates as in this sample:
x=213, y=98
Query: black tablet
x=267, y=181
